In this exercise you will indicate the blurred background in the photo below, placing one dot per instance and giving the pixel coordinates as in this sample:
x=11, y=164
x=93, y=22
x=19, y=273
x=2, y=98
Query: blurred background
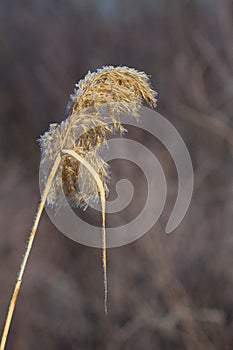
x=165, y=291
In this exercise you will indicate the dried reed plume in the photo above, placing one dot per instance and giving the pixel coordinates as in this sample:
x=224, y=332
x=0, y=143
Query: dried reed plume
x=71, y=159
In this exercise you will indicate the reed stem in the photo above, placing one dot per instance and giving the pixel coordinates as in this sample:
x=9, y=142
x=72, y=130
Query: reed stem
x=26, y=254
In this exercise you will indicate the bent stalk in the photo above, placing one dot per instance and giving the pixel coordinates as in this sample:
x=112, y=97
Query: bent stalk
x=103, y=204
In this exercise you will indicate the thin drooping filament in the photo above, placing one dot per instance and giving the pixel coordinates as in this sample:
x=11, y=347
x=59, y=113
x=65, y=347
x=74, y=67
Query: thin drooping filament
x=103, y=204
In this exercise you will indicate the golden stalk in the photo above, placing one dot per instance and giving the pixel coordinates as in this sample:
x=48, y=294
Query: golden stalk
x=26, y=255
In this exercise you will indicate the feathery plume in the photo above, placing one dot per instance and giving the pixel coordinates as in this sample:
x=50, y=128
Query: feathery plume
x=120, y=89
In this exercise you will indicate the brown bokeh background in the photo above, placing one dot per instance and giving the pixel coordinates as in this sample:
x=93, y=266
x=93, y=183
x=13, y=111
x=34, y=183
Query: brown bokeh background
x=165, y=292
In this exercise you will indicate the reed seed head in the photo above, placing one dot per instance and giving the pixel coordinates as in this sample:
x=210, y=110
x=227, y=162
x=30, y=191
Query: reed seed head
x=94, y=113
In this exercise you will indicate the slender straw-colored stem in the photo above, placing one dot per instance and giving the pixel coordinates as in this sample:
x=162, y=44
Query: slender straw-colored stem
x=27, y=252
x=33, y=233
x=103, y=204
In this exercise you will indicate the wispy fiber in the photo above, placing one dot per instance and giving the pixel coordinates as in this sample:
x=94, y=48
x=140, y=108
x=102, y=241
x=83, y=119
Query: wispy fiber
x=120, y=89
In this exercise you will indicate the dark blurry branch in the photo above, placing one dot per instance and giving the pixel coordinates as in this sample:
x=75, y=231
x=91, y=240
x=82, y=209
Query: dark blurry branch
x=212, y=125
x=211, y=55
x=176, y=298
x=198, y=87
x=226, y=26
x=168, y=325
x=202, y=173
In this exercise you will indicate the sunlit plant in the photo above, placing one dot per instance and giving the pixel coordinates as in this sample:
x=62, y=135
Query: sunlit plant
x=71, y=159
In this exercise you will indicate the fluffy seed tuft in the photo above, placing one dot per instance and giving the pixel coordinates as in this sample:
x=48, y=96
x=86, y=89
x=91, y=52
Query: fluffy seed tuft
x=87, y=127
